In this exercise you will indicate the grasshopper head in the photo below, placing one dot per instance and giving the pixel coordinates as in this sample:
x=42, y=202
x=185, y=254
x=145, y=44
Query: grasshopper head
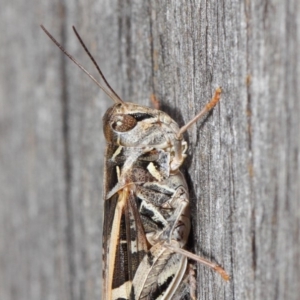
x=131, y=125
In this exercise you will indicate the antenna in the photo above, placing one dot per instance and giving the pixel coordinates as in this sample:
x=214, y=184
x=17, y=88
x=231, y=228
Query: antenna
x=95, y=63
x=110, y=93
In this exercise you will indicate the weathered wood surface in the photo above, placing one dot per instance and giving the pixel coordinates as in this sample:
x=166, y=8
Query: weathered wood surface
x=243, y=169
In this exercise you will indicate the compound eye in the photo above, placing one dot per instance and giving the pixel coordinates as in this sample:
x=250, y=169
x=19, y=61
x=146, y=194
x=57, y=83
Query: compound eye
x=122, y=123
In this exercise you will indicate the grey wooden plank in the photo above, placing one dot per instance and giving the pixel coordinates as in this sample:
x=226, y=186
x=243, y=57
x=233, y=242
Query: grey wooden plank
x=105, y=27
x=243, y=169
x=33, y=247
x=274, y=121
x=97, y=22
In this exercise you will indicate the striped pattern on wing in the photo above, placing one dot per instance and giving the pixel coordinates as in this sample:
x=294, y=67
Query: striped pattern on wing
x=126, y=246
x=159, y=274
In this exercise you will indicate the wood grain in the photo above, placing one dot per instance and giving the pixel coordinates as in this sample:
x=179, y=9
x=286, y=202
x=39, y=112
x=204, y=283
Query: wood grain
x=243, y=169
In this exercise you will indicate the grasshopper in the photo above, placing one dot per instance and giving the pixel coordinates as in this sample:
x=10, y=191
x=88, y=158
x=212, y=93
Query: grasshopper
x=146, y=201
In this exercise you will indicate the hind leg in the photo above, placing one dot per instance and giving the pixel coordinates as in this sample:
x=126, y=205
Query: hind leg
x=187, y=288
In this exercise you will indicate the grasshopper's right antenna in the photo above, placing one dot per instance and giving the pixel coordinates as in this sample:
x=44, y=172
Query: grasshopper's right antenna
x=95, y=63
x=110, y=93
